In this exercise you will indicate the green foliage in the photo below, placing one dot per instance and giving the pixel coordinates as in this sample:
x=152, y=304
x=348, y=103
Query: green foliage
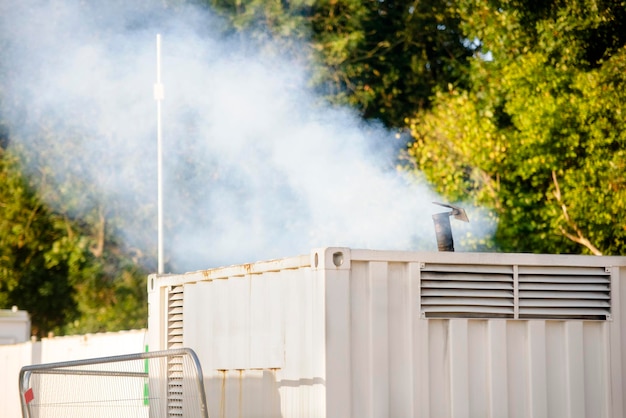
x=54, y=267
x=539, y=136
x=283, y=23
x=110, y=303
x=36, y=254
x=384, y=58
x=387, y=57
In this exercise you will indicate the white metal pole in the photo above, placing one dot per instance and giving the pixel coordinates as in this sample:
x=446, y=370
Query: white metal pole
x=158, y=96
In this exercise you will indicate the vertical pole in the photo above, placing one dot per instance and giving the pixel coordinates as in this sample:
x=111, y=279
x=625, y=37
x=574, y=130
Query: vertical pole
x=158, y=96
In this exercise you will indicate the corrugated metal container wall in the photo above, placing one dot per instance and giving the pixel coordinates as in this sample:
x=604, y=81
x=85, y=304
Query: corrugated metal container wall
x=361, y=333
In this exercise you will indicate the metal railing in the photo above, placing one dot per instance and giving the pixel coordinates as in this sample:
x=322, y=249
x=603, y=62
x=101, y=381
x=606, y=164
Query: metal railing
x=155, y=384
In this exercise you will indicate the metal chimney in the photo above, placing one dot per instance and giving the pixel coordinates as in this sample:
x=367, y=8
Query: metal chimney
x=443, y=230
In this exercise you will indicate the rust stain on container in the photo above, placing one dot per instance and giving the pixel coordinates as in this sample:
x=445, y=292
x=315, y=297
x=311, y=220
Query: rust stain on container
x=223, y=394
x=240, y=392
x=248, y=268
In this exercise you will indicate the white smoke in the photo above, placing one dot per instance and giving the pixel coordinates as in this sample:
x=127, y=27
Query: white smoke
x=255, y=165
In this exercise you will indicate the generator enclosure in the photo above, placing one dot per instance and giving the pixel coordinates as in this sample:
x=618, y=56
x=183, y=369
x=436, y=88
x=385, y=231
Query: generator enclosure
x=345, y=332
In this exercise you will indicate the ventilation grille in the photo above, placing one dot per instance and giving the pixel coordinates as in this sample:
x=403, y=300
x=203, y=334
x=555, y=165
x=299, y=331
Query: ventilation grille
x=175, y=317
x=485, y=291
x=467, y=291
x=175, y=340
x=568, y=293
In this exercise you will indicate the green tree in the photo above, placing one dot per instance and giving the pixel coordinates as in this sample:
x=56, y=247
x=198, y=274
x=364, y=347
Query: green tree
x=384, y=58
x=266, y=19
x=37, y=255
x=539, y=137
x=64, y=265
x=387, y=57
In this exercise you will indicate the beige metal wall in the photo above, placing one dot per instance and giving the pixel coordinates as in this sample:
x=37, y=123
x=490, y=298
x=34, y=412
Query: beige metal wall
x=258, y=331
x=12, y=358
x=343, y=333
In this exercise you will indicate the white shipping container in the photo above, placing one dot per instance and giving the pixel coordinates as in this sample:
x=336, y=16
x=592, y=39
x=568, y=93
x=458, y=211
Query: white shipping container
x=361, y=333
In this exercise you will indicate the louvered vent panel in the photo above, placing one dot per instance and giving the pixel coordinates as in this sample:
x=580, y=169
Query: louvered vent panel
x=175, y=318
x=175, y=363
x=565, y=293
x=467, y=291
x=175, y=387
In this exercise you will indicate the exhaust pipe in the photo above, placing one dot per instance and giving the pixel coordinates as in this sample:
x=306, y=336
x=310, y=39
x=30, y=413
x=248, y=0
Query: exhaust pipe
x=443, y=230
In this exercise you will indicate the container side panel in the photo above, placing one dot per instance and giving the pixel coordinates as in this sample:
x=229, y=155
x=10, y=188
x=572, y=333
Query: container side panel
x=198, y=326
x=459, y=373
x=258, y=393
x=242, y=393
x=302, y=381
x=267, y=317
x=478, y=369
x=318, y=358
x=421, y=370
x=400, y=339
x=298, y=305
x=421, y=356
x=338, y=350
x=361, y=340
x=239, y=300
x=439, y=367
x=194, y=324
x=299, y=325
x=618, y=343
x=379, y=339
x=537, y=383
x=517, y=365
x=213, y=388
x=218, y=316
x=420, y=377
x=498, y=371
x=157, y=313
x=595, y=362
x=575, y=369
x=557, y=369
x=239, y=327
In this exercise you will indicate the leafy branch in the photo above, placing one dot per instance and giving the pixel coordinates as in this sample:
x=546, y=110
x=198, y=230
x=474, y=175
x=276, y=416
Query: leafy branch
x=578, y=235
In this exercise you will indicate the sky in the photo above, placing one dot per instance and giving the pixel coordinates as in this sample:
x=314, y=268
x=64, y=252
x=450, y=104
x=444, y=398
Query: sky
x=256, y=165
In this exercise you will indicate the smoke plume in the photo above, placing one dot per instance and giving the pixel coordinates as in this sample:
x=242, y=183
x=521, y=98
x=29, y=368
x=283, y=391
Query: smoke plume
x=255, y=164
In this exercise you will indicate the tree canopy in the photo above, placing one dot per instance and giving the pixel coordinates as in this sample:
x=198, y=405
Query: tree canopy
x=385, y=58
x=539, y=135
x=54, y=267
x=35, y=253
